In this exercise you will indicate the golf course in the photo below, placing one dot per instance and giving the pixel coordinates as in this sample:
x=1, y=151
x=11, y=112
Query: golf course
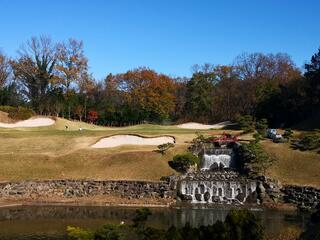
x=52, y=152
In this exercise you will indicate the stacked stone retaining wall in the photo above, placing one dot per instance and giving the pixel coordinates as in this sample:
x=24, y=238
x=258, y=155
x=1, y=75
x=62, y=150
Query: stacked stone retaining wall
x=301, y=196
x=85, y=188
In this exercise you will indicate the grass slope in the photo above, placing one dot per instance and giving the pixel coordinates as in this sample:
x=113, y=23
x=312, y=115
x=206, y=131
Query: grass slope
x=53, y=153
x=294, y=166
x=4, y=118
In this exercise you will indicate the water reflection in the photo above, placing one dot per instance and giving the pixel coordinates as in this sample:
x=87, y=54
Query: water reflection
x=50, y=222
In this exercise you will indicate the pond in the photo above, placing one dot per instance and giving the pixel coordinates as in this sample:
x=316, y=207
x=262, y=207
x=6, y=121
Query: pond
x=50, y=222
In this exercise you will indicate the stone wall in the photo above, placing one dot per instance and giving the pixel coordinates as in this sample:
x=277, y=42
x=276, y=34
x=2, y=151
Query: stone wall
x=308, y=197
x=84, y=188
x=208, y=187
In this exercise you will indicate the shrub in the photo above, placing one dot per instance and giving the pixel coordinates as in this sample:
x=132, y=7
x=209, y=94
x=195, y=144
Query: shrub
x=310, y=142
x=242, y=224
x=246, y=123
x=288, y=233
x=253, y=159
x=7, y=109
x=75, y=233
x=108, y=232
x=17, y=113
x=21, y=114
x=262, y=126
x=257, y=137
x=92, y=116
x=288, y=133
x=182, y=162
x=199, y=138
x=307, y=142
x=162, y=148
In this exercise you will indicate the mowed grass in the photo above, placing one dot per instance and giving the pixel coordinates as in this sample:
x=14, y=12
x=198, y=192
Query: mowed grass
x=293, y=166
x=54, y=153
x=85, y=164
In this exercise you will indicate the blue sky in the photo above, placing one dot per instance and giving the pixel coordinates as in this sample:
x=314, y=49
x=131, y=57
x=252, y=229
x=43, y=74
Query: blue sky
x=167, y=36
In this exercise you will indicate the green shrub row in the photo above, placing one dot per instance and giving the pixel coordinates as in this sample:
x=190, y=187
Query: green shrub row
x=310, y=141
x=182, y=162
x=17, y=113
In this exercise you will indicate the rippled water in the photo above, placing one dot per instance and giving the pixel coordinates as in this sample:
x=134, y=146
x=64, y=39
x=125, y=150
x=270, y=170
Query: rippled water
x=50, y=222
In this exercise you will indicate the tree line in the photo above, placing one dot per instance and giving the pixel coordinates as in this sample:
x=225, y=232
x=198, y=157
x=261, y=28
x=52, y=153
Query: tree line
x=54, y=79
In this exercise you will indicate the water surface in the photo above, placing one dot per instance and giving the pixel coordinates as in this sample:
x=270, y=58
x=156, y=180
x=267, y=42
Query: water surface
x=50, y=222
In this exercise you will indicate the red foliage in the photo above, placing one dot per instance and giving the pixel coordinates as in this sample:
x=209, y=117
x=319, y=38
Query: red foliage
x=92, y=116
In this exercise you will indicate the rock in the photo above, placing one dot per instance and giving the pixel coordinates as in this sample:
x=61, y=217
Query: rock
x=215, y=199
x=261, y=189
x=206, y=196
x=185, y=197
x=252, y=198
x=240, y=197
x=198, y=197
x=79, y=188
x=304, y=197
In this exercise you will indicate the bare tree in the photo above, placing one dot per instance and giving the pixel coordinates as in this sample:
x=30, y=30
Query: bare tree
x=262, y=73
x=34, y=69
x=4, y=69
x=72, y=66
x=227, y=95
x=72, y=63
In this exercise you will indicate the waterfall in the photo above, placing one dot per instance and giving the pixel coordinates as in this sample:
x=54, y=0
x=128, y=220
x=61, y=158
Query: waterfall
x=217, y=191
x=214, y=185
x=221, y=160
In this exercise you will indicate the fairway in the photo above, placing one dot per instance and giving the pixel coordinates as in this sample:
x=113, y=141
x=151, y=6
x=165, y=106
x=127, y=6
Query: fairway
x=54, y=153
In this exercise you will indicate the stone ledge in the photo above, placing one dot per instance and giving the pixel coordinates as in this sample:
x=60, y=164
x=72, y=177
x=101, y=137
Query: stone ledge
x=85, y=188
x=303, y=196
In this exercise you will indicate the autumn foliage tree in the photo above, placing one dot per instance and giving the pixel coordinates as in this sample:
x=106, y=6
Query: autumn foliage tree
x=92, y=116
x=150, y=95
x=71, y=67
x=53, y=78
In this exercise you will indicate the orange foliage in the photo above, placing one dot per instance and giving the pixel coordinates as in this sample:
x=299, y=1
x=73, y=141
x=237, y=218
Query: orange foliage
x=147, y=90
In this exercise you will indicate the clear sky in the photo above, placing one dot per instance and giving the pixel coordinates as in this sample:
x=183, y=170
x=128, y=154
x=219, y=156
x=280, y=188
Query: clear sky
x=168, y=36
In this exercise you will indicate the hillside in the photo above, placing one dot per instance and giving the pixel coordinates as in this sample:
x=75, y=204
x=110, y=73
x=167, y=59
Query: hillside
x=293, y=166
x=52, y=152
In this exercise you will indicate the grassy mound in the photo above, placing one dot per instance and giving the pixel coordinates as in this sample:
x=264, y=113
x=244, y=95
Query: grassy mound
x=293, y=166
x=17, y=113
x=4, y=118
x=50, y=153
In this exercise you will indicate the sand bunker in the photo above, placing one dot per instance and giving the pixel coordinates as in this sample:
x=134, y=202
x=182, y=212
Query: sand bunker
x=118, y=140
x=32, y=122
x=193, y=125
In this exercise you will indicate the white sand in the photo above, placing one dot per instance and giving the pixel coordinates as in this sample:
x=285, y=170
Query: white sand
x=118, y=140
x=32, y=122
x=193, y=125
